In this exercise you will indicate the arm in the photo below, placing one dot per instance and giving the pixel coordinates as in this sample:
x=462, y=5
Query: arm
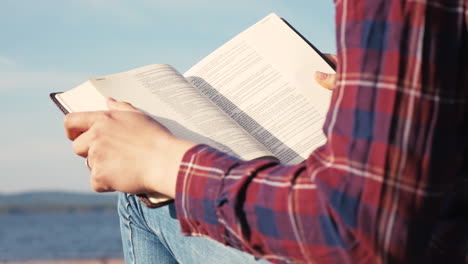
x=270, y=210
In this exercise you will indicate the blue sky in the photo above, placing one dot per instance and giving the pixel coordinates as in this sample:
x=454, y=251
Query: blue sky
x=54, y=45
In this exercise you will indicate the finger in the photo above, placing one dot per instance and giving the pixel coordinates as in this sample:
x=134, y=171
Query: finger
x=120, y=106
x=333, y=58
x=82, y=143
x=98, y=181
x=326, y=80
x=77, y=123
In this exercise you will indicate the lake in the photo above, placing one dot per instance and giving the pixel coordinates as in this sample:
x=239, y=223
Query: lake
x=59, y=236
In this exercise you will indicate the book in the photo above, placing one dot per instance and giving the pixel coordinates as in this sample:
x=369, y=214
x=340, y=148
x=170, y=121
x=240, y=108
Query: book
x=255, y=96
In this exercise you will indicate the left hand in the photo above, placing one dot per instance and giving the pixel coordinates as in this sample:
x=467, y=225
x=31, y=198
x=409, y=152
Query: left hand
x=327, y=80
x=127, y=150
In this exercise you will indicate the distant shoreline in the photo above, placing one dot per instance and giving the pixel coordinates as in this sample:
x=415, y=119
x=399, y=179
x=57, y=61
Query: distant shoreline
x=94, y=261
x=56, y=202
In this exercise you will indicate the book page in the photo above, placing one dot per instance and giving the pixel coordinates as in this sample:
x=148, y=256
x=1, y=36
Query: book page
x=85, y=97
x=264, y=79
x=162, y=92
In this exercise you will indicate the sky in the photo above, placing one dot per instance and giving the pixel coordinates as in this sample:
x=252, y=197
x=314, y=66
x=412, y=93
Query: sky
x=54, y=45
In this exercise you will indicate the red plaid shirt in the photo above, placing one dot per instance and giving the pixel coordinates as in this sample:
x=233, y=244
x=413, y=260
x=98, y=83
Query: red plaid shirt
x=381, y=189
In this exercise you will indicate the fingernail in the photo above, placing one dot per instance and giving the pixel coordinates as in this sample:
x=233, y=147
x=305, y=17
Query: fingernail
x=321, y=75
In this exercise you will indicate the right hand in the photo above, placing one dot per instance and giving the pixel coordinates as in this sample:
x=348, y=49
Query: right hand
x=127, y=150
x=327, y=80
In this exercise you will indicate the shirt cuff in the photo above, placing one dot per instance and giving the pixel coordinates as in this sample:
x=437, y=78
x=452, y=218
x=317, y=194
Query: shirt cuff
x=198, y=188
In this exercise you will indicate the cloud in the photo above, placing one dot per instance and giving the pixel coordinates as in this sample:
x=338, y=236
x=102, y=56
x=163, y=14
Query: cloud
x=12, y=81
x=42, y=164
x=127, y=11
x=36, y=155
x=14, y=78
x=6, y=63
x=145, y=11
x=33, y=149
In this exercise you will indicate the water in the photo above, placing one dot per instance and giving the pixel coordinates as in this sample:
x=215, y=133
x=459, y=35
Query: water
x=59, y=236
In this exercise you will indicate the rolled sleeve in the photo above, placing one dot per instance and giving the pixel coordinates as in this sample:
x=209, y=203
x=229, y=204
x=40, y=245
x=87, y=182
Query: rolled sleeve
x=207, y=190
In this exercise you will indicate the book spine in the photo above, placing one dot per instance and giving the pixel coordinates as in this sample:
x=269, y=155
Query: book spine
x=312, y=46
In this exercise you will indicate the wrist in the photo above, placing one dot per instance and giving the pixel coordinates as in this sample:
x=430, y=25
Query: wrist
x=172, y=151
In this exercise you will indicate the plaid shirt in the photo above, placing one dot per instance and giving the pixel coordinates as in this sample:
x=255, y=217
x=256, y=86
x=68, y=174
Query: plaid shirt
x=380, y=190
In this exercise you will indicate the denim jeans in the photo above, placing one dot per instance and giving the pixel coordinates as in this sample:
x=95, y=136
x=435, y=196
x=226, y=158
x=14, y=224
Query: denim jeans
x=154, y=236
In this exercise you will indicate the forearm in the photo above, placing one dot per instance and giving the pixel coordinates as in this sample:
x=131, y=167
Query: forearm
x=261, y=207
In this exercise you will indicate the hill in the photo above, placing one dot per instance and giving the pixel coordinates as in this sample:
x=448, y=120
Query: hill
x=56, y=202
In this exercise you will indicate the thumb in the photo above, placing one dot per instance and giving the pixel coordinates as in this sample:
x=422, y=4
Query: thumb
x=120, y=106
x=326, y=80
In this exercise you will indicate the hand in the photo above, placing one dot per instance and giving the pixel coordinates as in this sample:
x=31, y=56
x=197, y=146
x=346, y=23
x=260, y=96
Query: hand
x=325, y=79
x=127, y=150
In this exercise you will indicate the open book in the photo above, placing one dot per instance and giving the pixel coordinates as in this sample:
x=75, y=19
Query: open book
x=254, y=96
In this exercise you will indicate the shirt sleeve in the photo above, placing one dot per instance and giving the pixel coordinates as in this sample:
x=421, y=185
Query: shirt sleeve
x=396, y=145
